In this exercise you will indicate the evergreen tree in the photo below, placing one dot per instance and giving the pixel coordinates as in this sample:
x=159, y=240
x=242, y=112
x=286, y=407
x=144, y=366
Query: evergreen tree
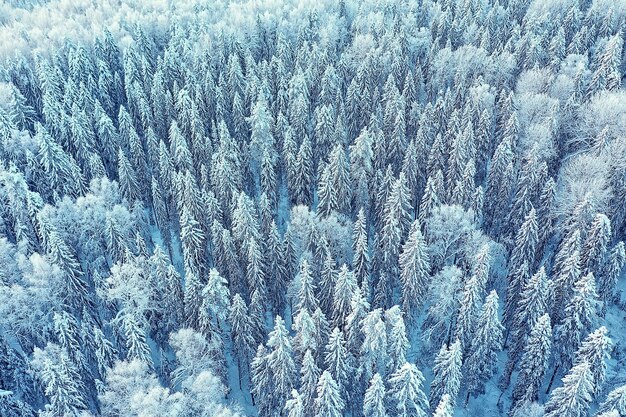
x=532, y=305
x=309, y=377
x=216, y=298
x=414, y=271
x=306, y=291
x=342, y=297
x=280, y=362
x=61, y=380
x=136, y=343
x=303, y=174
x=534, y=363
x=104, y=351
x=337, y=359
x=193, y=241
x=192, y=300
x=340, y=178
x=469, y=310
x=564, y=283
x=499, y=181
x=327, y=197
x=611, y=270
x=447, y=373
x=545, y=215
x=614, y=402
x=374, y=401
x=328, y=402
x=574, y=398
x=432, y=197
x=276, y=264
x=261, y=138
x=445, y=407
x=62, y=172
x=361, y=168
x=595, y=350
x=374, y=346
x=328, y=272
x=322, y=331
x=397, y=341
x=485, y=345
x=295, y=405
x=359, y=308
x=75, y=292
x=262, y=382
x=595, y=246
x=361, y=259
x=406, y=392
x=240, y=325
x=257, y=316
x=579, y=316
x=567, y=246
x=522, y=256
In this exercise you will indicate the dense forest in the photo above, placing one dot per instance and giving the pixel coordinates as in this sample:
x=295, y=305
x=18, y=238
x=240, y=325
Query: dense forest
x=405, y=208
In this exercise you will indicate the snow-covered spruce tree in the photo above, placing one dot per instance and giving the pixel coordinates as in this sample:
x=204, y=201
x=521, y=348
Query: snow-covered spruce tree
x=374, y=401
x=431, y=197
x=344, y=289
x=469, y=310
x=61, y=381
x=309, y=377
x=337, y=359
x=359, y=307
x=135, y=338
x=564, y=283
x=361, y=259
x=361, y=169
x=499, y=182
x=580, y=314
x=307, y=300
x=595, y=246
x=215, y=300
x=340, y=178
x=328, y=272
x=374, y=354
x=328, y=402
x=327, y=197
x=574, y=398
x=406, y=392
x=596, y=350
x=608, y=277
x=129, y=184
x=522, y=257
x=615, y=402
x=275, y=265
x=534, y=363
x=306, y=335
x=484, y=346
x=280, y=363
x=447, y=374
x=445, y=408
x=533, y=304
x=295, y=405
x=397, y=341
x=262, y=382
x=583, y=381
x=414, y=271
x=303, y=173
x=240, y=325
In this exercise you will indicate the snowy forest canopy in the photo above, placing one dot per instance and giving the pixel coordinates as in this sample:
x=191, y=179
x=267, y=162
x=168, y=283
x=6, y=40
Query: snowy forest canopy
x=313, y=209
